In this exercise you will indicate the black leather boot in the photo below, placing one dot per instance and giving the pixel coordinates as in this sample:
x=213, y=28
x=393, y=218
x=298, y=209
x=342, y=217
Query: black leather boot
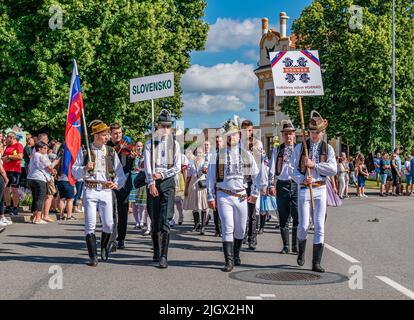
x=155, y=236
x=203, y=222
x=105, y=237
x=294, y=240
x=165, y=241
x=252, y=225
x=301, y=255
x=228, y=256
x=237, y=246
x=121, y=244
x=217, y=224
x=284, y=232
x=317, y=257
x=262, y=223
x=112, y=240
x=92, y=251
x=196, y=217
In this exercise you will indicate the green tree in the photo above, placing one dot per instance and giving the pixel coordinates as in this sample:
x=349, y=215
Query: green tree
x=356, y=70
x=112, y=42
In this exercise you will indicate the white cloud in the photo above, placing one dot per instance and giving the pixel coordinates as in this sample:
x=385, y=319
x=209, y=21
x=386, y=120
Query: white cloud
x=223, y=88
x=206, y=104
x=227, y=77
x=233, y=34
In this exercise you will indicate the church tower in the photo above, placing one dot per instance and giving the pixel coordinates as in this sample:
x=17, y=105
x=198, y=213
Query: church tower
x=270, y=110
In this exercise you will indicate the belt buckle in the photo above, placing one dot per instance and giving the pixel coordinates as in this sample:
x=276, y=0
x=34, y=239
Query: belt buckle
x=243, y=197
x=99, y=187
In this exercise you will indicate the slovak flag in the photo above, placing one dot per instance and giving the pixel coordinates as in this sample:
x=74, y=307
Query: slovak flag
x=73, y=132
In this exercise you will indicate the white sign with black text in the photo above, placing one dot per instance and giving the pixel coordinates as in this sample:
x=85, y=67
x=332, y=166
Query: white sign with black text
x=152, y=87
x=297, y=73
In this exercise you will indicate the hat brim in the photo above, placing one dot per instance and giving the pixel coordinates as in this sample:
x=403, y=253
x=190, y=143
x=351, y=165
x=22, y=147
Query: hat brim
x=103, y=129
x=288, y=130
x=321, y=127
x=165, y=123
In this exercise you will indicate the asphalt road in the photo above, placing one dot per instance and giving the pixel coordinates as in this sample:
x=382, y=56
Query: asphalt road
x=383, y=251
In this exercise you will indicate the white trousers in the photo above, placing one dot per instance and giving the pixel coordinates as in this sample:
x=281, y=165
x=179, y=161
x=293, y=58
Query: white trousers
x=146, y=219
x=342, y=183
x=100, y=201
x=233, y=216
x=305, y=209
x=138, y=210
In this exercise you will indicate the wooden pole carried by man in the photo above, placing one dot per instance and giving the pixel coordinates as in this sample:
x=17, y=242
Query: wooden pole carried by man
x=302, y=125
x=298, y=73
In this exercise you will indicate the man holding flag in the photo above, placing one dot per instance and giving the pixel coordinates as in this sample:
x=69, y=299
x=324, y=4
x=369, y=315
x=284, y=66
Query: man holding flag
x=100, y=169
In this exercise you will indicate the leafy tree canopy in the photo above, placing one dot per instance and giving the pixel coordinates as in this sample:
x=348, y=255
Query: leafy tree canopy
x=112, y=41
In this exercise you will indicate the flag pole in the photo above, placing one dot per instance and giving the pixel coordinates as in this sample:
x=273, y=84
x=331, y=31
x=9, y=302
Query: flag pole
x=83, y=117
x=302, y=124
x=86, y=134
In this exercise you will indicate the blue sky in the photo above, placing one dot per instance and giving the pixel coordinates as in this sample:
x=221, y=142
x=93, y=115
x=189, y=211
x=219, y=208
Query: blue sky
x=221, y=81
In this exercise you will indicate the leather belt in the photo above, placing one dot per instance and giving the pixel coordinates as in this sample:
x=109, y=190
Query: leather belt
x=97, y=185
x=316, y=184
x=242, y=197
x=285, y=181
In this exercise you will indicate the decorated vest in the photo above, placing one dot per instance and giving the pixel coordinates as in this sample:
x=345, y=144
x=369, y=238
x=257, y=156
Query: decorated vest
x=171, y=151
x=279, y=159
x=322, y=151
x=220, y=165
x=109, y=161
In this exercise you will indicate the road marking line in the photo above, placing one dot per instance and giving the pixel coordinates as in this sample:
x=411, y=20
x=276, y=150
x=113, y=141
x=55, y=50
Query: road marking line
x=342, y=254
x=254, y=298
x=397, y=287
x=267, y=295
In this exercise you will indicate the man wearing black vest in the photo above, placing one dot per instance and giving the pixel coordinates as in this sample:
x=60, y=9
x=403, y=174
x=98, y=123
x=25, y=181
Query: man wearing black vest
x=283, y=187
x=162, y=162
x=322, y=163
x=255, y=147
x=101, y=174
x=124, y=152
x=219, y=145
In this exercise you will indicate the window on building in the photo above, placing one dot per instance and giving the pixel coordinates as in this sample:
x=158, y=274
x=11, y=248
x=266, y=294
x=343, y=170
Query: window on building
x=270, y=102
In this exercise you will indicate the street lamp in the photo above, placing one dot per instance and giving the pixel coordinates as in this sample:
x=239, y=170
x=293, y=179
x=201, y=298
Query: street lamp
x=393, y=112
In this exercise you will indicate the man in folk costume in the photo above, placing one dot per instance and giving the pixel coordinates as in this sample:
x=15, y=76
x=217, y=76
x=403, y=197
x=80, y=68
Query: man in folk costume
x=102, y=174
x=209, y=154
x=283, y=187
x=180, y=179
x=125, y=153
x=255, y=147
x=322, y=164
x=227, y=190
x=161, y=184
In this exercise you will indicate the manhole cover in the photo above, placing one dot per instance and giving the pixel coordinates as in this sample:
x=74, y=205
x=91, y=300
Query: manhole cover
x=288, y=277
